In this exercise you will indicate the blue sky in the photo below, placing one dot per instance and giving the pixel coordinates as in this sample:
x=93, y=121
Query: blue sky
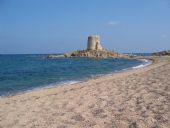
x=57, y=26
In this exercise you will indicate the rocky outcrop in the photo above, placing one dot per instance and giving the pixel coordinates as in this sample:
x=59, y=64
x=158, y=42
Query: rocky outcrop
x=163, y=53
x=93, y=54
x=94, y=50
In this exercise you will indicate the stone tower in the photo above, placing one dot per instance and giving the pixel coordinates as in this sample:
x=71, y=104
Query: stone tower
x=94, y=43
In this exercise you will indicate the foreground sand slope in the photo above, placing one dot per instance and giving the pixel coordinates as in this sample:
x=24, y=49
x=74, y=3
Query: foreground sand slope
x=135, y=99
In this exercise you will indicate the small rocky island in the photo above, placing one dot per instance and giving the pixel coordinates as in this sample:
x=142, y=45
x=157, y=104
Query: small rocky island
x=94, y=50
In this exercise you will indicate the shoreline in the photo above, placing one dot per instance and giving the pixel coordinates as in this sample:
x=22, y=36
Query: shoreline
x=132, y=98
x=70, y=83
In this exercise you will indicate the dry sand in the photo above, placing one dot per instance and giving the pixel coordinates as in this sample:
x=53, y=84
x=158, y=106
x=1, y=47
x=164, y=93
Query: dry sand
x=137, y=98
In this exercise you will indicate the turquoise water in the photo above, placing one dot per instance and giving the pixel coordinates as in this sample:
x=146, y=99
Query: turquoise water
x=26, y=72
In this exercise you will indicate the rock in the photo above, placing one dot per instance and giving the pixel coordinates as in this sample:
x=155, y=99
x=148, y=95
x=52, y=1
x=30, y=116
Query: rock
x=96, y=54
x=93, y=54
x=162, y=53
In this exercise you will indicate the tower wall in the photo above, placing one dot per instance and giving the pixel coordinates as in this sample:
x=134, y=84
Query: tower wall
x=91, y=43
x=94, y=43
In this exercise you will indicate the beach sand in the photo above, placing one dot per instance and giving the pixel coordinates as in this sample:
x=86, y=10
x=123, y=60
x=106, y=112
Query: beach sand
x=137, y=98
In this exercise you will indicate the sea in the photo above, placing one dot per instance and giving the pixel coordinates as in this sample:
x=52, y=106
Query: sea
x=22, y=73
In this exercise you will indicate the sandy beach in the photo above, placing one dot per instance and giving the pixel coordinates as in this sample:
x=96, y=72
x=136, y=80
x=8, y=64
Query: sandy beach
x=138, y=98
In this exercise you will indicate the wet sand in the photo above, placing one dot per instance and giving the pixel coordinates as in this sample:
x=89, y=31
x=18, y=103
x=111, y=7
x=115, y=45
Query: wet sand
x=137, y=98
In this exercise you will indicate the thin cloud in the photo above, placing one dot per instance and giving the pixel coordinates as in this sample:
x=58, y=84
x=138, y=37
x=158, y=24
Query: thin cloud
x=164, y=36
x=113, y=23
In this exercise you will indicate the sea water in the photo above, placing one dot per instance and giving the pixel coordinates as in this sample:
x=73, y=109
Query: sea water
x=20, y=73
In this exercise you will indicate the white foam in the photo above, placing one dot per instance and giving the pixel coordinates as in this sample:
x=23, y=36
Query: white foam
x=71, y=82
x=61, y=83
x=139, y=66
x=144, y=64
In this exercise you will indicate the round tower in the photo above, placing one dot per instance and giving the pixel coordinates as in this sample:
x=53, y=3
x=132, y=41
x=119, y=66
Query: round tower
x=94, y=43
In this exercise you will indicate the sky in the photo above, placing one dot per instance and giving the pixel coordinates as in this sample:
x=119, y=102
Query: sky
x=58, y=26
